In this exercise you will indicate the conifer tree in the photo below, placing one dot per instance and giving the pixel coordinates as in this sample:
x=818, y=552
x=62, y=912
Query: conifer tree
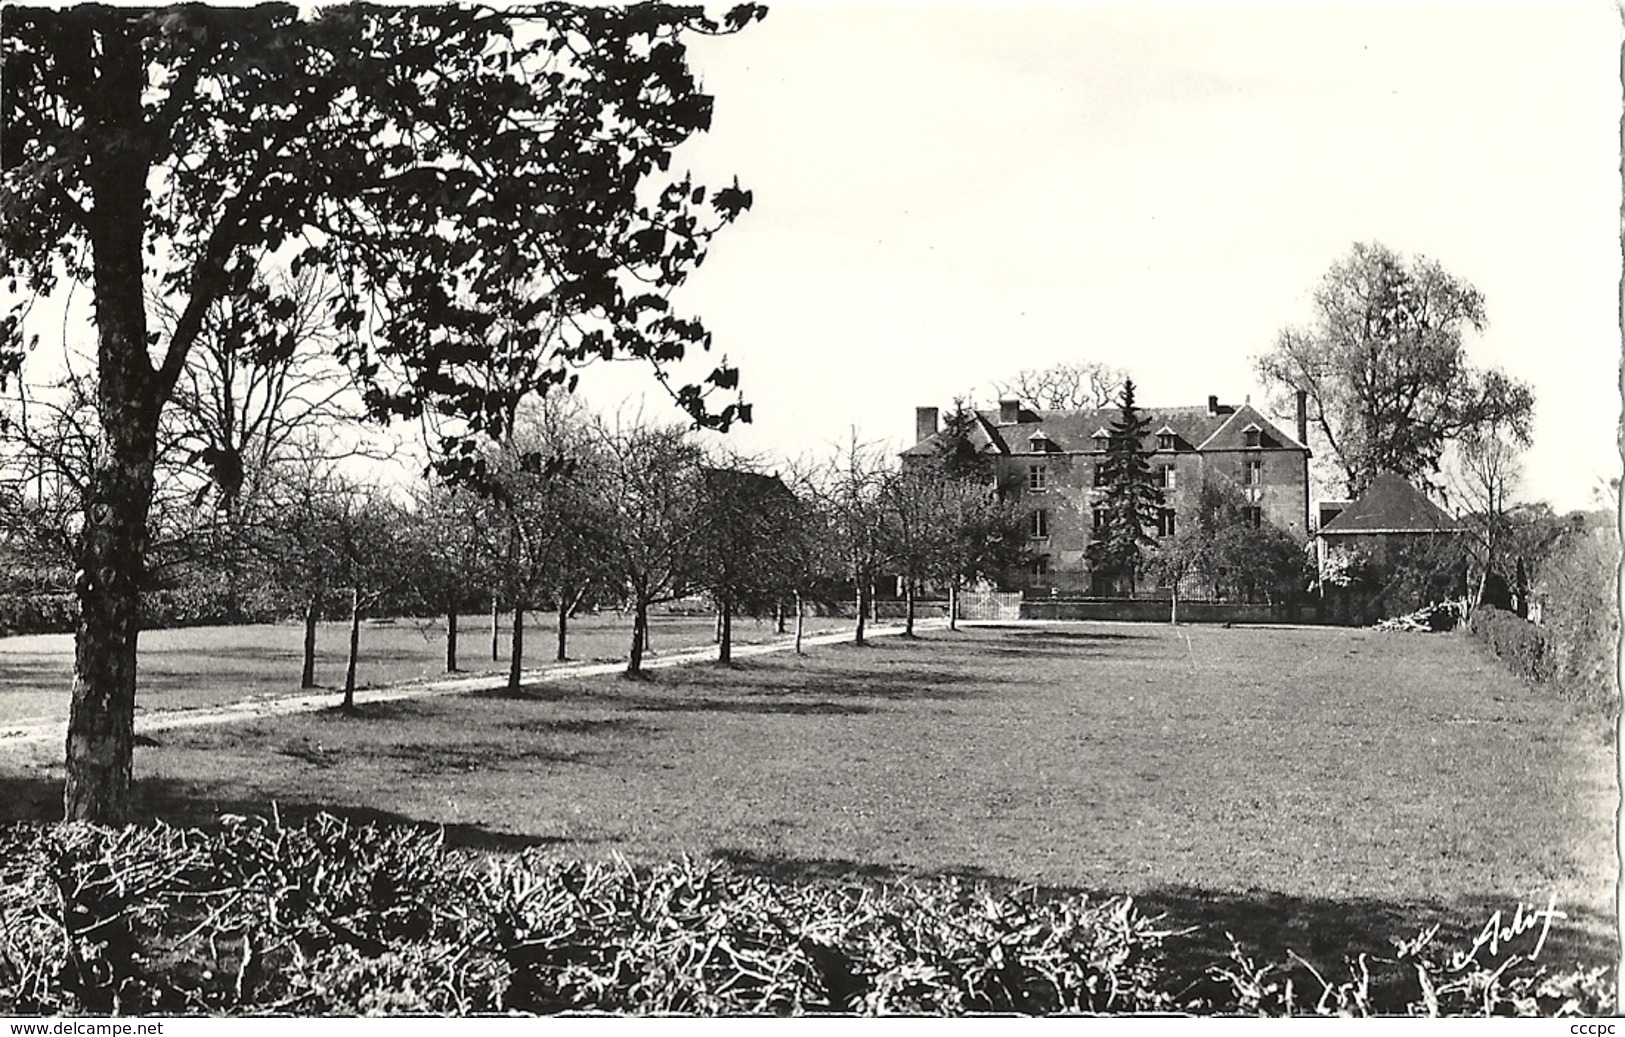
x=959, y=457
x=1131, y=499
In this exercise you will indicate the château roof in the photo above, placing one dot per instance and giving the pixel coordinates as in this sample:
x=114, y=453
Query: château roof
x=1072, y=431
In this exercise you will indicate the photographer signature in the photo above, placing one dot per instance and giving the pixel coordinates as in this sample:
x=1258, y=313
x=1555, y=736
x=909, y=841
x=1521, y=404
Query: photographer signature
x=1499, y=930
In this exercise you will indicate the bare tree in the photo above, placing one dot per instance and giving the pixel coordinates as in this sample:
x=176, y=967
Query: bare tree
x=809, y=554
x=659, y=533
x=750, y=558
x=262, y=374
x=851, y=496
x=446, y=540
x=1482, y=472
x=260, y=391
x=299, y=543
x=1075, y=385
x=548, y=496
x=366, y=528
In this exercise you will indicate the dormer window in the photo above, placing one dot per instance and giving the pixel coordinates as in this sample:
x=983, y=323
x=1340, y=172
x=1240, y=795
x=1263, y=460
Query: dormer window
x=1167, y=438
x=1038, y=443
x=1253, y=434
x=1102, y=438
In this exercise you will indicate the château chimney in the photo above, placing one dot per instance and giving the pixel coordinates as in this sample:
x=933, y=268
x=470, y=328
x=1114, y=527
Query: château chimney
x=1212, y=406
x=925, y=423
x=1303, y=417
x=1009, y=412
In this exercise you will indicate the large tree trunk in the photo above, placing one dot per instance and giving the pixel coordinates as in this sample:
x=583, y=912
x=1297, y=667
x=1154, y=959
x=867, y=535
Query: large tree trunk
x=355, y=649
x=857, y=636
x=953, y=605
x=640, y=635
x=778, y=616
x=908, y=609
x=307, y=675
x=725, y=639
x=451, y=638
x=101, y=716
x=516, y=651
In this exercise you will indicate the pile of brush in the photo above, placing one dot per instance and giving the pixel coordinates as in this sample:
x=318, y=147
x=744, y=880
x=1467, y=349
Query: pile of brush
x=1441, y=615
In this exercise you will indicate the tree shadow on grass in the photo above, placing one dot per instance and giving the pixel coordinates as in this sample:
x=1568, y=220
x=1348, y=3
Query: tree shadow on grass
x=1027, y=633
x=32, y=676
x=1266, y=925
x=388, y=709
x=429, y=759
x=1040, y=651
x=30, y=797
x=749, y=687
x=745, y=707
x=258, y=654
x=186, y=804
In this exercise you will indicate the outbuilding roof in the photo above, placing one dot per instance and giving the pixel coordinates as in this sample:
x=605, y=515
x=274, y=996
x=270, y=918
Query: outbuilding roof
x=1391, y=505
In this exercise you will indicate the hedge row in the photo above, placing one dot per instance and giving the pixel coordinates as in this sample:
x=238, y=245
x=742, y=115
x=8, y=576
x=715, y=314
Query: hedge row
x=329, y=918
x=43, y=613
x=1514, y=639
x=57, y=612
x=1576, y=659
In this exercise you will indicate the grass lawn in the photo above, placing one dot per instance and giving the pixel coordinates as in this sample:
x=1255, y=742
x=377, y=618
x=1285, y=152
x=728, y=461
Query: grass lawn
x=211, y=666
x=1319, y=789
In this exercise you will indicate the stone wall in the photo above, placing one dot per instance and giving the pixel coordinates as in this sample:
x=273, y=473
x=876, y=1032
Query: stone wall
x=1141, y=610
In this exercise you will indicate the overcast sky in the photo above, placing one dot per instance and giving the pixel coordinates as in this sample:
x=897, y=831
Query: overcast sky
x=949, y=193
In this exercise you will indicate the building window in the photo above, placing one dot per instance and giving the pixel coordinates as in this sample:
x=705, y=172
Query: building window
x=1041, y=566
x=1166, y=477
x=1100, y=518
x=1040, y=524
x=1037, y=478
x=1100, y=475
x=1253, y=515
x=1252, y=436
x=1252, y=473
x=1165, y=441
x=1165, y=522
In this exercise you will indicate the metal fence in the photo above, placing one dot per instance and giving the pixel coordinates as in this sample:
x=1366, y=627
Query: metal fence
x=989, y=605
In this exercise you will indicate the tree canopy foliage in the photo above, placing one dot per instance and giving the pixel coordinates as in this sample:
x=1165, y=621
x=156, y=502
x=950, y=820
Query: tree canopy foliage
x=475, y=181
x=1384, y=367
x=1220, y=553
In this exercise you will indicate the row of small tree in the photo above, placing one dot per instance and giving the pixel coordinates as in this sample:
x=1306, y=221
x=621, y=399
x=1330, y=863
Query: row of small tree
x=490, y=193
x=573, y=510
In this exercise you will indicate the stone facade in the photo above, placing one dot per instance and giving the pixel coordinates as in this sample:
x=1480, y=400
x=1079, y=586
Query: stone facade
x=1048, y=461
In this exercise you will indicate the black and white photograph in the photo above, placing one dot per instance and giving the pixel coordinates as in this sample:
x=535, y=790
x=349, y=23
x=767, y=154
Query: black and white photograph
x=809, y=509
